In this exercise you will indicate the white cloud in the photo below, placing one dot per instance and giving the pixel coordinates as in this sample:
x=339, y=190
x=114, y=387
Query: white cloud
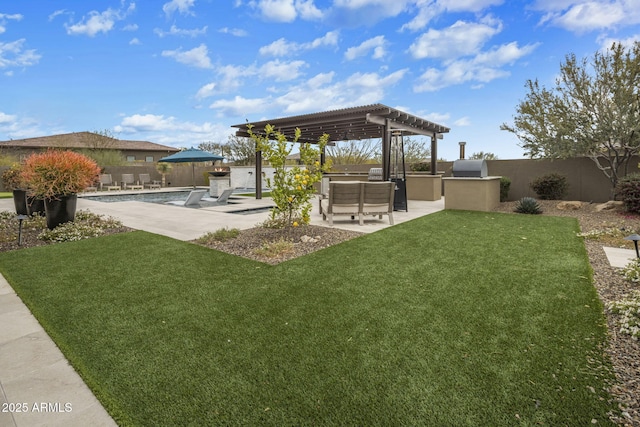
x=429, y=9
x=281, y=71
x=483, y=68
x=463, y=121
x=316, y=94
x=375, y=44
x=4, y=18
x=197, y=57
x=607, y=42
x=15, y=127
x=7, y=118
x=206, y=91
x=181, y=6
x=169, y=130
x=282, y=47
x=239, y=106
x=99, y=22
x=175, y=31
x=584, y=16
x=234, y=32
x=130, y=27
x=460, y=39
x=287, y=10
x=135, y=41
x=13, y=54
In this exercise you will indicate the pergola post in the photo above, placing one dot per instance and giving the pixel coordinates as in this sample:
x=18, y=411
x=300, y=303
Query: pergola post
x=386, y=151
x=258, y=173
x=434, y=154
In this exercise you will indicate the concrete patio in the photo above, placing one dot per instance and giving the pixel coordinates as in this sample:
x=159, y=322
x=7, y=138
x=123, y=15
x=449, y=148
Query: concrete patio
x=35, y=377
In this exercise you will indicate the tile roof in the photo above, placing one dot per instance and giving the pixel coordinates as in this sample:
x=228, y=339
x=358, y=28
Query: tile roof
x=85, y=140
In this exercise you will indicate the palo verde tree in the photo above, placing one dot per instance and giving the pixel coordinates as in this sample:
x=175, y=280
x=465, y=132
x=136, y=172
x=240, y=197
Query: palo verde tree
x=291, y=187
x=593, y=111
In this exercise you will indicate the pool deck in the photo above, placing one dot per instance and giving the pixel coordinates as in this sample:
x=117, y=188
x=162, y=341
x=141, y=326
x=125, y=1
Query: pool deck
x=33, y=371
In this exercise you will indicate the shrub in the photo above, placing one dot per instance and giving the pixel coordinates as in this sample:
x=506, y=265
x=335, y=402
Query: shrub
x=220, y=235
x=12, y=178
x=550, y=187
x=629, y=311
x=528, y=205
x=275, y=249
x=291, y=188
x=421, y=167
x=631, y=271
x=505, y=184
x=55, y=173
x=628, y=191
x=70, y=231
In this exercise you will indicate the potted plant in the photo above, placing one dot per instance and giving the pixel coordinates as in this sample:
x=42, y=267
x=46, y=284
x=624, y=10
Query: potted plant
x=58, y=177
x=164, y=169
x=12, y=180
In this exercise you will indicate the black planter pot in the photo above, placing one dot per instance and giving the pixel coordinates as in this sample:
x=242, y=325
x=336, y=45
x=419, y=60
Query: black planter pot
x=35, y=206
x=60, y=210
x=20, y=200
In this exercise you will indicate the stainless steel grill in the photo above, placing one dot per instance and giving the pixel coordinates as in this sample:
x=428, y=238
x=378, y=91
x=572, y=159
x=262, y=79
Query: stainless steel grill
x=470, y=168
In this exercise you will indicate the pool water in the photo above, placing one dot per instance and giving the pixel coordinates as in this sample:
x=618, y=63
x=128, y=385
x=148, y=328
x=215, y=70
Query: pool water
x=156, y=197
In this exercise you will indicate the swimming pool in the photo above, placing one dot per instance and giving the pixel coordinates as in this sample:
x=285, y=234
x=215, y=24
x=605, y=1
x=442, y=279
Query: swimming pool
x=155, y=197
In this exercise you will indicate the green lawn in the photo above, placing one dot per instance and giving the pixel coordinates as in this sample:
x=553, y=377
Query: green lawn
x=5, y=195
x=454, y=319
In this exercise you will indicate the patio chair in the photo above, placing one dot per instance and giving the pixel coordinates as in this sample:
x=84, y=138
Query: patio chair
x=222, y=199
x=377, y=199
x=193, y=199
x=343, y=199
x=106, y=182
x=145, y=181
x=128, y=181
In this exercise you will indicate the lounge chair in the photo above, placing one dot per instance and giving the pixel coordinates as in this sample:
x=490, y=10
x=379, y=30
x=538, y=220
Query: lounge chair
x=145, y=181
x=222, y=199
x=343, y=199
x=106, y=182
x=128, y=182
x=193, y=199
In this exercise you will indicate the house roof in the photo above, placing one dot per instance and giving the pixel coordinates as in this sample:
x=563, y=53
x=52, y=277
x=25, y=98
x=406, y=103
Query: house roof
x=86, y=140
x=365, y=122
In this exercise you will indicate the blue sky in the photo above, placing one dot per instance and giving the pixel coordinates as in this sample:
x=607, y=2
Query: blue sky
x=181, y=72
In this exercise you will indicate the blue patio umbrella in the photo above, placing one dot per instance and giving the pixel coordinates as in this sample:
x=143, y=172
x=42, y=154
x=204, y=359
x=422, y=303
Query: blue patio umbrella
x=191, y=155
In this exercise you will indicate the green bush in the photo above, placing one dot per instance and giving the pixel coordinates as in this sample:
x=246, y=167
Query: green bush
x=528, y=205
x=550, y=187
x=421, y=167
x=220, y=235
x=628, y=191
x=505, y=184
x=631, y=271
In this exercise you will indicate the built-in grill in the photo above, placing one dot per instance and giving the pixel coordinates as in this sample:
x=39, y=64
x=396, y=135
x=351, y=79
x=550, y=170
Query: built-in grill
x=470, y=168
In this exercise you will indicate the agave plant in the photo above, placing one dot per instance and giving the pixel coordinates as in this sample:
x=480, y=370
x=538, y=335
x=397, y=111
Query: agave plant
x=528, y=205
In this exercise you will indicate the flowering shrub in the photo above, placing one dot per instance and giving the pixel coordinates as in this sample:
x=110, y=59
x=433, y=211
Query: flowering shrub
x=86, y=225
x=629, y=311
x=631, y=271
x=291, y=189
x=54, y=173
x=69, y=232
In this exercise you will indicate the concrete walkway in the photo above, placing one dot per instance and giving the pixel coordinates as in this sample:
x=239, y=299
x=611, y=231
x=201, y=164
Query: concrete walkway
x=38, y=387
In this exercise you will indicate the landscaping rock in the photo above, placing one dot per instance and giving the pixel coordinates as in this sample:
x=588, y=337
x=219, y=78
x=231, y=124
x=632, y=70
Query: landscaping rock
x=609, y=206
x=569, y=206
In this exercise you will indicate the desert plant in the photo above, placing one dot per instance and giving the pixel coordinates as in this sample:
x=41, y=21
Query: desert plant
x=55, y=173
x=528, y=205
x=552, y=186
x=12, y=178
x=275, y=249
x=220, y=235
x=505, y=184
x=164, y=168
x=628, y=191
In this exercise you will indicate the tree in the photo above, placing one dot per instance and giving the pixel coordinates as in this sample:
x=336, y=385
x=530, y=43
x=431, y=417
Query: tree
x=101, y=147
x=481, y=155
x=291, y=187
x=415, y=150
x=593, y=111
x=352, y=152
x=240, y=150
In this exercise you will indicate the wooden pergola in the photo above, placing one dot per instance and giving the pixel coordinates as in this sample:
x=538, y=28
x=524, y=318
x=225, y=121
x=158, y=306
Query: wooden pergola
x=356, y=123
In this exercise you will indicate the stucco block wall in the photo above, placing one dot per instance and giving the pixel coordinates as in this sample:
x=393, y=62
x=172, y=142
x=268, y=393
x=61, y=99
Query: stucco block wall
x=472, y=194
